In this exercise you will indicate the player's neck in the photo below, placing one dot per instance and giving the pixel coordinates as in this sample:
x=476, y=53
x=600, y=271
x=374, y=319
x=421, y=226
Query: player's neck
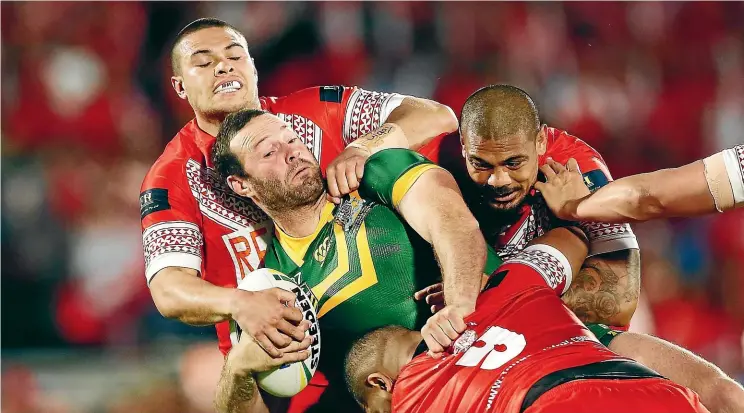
x=403, y=347
x=208, y=124
x=300, y=221
x=211, y=123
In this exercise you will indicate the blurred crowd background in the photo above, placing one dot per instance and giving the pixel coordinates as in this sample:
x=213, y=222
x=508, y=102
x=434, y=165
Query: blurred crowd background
x=87, y=106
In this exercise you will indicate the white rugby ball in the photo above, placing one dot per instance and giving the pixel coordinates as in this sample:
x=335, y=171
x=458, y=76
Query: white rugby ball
x=289, y=379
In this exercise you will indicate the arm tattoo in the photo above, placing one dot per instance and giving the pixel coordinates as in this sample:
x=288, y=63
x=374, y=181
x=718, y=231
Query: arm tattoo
x=606, y=289
x=377, y=135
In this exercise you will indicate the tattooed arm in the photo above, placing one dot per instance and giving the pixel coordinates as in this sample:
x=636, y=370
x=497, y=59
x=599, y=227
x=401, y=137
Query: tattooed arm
x=606, y=289
x=411, y=125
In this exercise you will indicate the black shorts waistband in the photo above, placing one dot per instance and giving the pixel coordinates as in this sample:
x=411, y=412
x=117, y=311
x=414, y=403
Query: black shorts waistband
x=609, y=369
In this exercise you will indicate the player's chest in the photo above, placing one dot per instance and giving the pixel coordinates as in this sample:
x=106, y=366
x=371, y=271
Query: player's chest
x=338, y=265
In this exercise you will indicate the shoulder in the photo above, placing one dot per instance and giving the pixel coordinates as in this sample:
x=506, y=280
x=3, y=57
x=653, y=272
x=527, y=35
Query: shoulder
x=171, y=165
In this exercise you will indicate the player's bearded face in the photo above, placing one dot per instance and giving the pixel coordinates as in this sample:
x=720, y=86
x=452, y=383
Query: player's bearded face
x=505, y=171
x=282, y=172
x=301, y=185
x=217, y=73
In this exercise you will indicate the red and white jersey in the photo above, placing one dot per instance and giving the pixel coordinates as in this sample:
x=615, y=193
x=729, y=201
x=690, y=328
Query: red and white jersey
x=519, y=333
x=192, y=219
x=534, y=217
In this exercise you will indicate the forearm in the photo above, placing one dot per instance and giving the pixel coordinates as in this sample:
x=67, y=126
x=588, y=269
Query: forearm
x=462, y=268
x=411, y=125
x=665, y=193
x=238, y=393
x=606, y=289
x=718, y=392
x=181, y=294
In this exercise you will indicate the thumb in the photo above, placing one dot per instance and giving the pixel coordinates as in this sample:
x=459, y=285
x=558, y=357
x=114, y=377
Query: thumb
x=540, y=186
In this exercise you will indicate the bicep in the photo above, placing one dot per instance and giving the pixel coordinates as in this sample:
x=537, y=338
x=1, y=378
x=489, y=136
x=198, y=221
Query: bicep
x=432, y=201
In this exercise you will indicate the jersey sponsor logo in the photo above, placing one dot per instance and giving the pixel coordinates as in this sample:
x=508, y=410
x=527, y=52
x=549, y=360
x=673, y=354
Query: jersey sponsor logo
x=332, y=94
x=321, y=252
x=247, y=248
x=595, y=179
x=153, y=200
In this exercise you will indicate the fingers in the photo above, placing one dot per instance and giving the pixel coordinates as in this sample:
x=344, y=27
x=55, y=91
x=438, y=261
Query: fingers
x=296, y=332
x=457, y=322
x=436, y=307
x=418, y=295
x=428, y=333
x=292, y=314
x=278, y=340
x=440, y=337
x=448, y=330
x=284, y=296
x=573, y=166
x=557, y=167
x=351, y=178
x=360, y=169
x=435, y=298
x=265, y=343
x=332, y=184
x=548, y=171
x=293, y=357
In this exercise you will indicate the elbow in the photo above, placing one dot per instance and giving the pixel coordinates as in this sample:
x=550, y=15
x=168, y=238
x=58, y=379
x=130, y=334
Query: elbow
x=446, y=120
x=166, y=303
x=723, y=395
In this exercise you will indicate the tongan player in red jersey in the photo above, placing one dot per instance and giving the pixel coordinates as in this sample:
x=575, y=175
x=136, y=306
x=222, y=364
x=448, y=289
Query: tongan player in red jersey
x=524, y=352
x=496, y=163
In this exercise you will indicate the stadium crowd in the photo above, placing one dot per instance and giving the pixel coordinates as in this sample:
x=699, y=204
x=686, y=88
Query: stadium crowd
x=87, y=107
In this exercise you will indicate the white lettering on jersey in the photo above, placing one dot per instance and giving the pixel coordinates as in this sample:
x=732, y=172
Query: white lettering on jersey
x=497, y=346
x=247, y=248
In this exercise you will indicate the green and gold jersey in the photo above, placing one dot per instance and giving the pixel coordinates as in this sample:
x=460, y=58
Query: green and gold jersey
x=363, y=263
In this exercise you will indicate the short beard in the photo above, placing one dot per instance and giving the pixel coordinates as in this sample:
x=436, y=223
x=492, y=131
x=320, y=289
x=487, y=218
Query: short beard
x=276, y=197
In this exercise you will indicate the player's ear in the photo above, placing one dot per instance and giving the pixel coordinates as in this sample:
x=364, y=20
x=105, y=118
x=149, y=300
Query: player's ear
x=541, y=142
x=380, y=381
x=240, y=186
x=177, y=83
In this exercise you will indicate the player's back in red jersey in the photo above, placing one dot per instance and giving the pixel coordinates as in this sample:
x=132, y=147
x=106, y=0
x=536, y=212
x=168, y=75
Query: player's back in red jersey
x=522, y=343
x=191, y=219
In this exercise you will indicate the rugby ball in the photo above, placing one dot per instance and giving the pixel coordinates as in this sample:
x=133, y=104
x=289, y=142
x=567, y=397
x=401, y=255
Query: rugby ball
x=289, y=379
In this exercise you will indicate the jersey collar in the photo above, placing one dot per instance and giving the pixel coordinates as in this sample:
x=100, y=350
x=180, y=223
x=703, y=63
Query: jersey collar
x=296, y=247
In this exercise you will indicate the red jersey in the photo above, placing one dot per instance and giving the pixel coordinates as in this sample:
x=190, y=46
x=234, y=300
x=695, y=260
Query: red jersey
x=192, y=219
x=534, y=218
x=519, y=333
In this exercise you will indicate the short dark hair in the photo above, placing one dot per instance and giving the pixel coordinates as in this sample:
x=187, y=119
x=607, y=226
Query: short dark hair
x=496, y=111
x=193, y=27
x=364, y=358
x=225, y=162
